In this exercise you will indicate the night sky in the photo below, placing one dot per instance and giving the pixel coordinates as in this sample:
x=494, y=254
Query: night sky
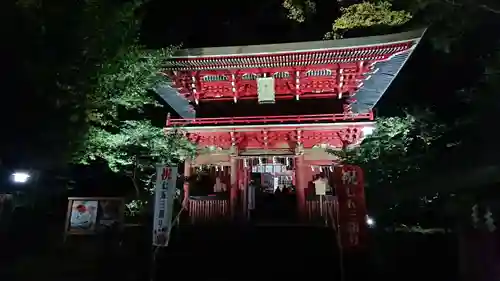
x=221, y=23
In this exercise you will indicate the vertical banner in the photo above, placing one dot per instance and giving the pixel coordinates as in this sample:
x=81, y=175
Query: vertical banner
x=349, y=186
x=166, y=178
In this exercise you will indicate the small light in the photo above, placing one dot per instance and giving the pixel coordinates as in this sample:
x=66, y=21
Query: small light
x=20, y=177
x=370, y=222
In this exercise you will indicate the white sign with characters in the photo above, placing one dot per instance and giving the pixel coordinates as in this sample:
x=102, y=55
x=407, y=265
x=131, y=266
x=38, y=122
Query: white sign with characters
x=321, y=186
x=349, y=177
x=166, y=178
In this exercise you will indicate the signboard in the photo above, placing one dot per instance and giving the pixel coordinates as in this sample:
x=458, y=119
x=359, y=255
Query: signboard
x=265, y=90
x=166, y=178
x=321, y=186
x=349, y=187
x=93, y=215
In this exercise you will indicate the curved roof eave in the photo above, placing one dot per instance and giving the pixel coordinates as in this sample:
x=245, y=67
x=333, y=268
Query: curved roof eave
x=369, y=41
x=379, y=80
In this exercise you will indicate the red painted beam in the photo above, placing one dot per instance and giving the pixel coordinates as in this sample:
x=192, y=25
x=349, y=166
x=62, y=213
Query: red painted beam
x=235, y=87
x=361, y=53
x=277, y=97
x=268, y=119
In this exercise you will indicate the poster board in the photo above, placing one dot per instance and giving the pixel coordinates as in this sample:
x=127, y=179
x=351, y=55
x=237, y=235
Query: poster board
x=93, y=215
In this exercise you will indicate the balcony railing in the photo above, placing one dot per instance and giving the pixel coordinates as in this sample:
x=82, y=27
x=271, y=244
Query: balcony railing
x=270, y=119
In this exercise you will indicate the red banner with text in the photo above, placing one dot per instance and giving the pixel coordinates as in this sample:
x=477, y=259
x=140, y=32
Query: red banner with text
x=350, y=190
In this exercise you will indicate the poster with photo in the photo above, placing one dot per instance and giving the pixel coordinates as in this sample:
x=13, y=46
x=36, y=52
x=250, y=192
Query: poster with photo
x=83, y=216
x=94, y=215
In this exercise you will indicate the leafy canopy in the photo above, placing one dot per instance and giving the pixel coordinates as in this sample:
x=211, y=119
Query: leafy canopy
x=367, y=15
x=104, y=81
x=398, y=147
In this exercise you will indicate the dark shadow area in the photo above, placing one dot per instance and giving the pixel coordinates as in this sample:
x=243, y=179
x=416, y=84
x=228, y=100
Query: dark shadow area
x=253, y=108
x=237, y=252
x=276, y=208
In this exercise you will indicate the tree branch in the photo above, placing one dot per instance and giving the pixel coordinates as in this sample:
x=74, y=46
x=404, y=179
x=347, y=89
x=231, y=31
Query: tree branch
x=482, y=6
x=134, y=178
x=489, y=9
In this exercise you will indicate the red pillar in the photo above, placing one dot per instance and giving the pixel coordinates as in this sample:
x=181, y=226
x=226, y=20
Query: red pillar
x=243, y=187
x=187, y=175
x=233, y=192
x=300, y=185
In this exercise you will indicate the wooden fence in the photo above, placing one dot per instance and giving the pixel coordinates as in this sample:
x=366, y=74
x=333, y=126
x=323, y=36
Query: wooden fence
x=321, y=210
x=208, y=209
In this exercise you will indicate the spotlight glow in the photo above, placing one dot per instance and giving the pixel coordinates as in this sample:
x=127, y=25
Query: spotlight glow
x=20, y=177
x=370, y=222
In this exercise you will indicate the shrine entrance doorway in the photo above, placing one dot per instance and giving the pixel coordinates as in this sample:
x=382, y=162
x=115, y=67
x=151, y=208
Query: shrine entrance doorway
x=270, y=193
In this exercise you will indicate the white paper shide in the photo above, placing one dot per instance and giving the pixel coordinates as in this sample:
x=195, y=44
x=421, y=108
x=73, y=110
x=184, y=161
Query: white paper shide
x=166, y=178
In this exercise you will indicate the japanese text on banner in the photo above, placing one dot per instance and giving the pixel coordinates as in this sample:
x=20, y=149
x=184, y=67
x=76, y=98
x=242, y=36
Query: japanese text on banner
x=351, y=205
x=164, y=200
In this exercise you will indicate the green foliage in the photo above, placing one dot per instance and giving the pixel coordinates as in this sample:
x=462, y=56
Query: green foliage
x=398, y=148
x=125, y=82
x=367, y=15
x=138, y=143
x=135, y=208
x=88, y=62
x=299, y=10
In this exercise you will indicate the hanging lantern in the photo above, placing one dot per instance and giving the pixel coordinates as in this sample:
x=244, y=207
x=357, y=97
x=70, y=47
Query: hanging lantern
x=321, y=168
x=312, y=168
x=245, y=163
x=274, y=159
x=331, y=169
x=287, y=161
x=260, y=161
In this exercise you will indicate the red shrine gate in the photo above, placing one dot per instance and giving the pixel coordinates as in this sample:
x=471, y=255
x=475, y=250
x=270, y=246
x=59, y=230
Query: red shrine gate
x=284, y=101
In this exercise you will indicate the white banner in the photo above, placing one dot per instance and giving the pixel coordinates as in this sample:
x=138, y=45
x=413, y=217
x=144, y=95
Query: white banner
x=166, y=178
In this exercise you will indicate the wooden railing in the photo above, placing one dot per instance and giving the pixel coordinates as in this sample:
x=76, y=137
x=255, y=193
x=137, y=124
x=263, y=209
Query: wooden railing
x=321, y=211
x=214, y=209
x=268, y=119
x=208, y=209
